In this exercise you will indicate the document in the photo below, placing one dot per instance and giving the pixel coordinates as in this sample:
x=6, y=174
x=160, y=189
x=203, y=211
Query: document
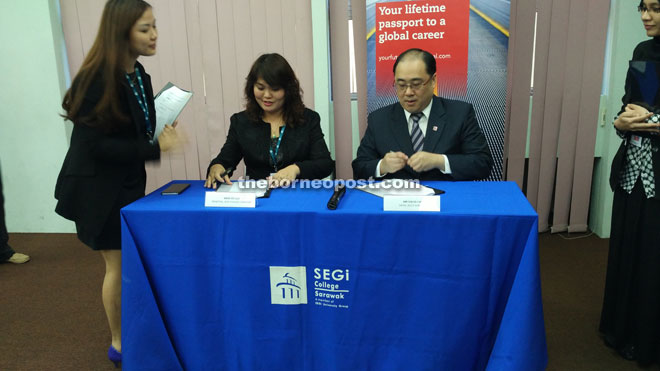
x=169, y=103
x=400, y=187
x=248, y=186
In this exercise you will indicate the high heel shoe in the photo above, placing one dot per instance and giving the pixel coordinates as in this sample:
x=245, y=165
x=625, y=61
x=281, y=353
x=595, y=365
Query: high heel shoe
x=114, y=356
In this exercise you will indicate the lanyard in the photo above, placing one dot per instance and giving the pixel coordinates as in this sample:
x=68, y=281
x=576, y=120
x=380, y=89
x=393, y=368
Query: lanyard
x=142, y=102
x=273, y=156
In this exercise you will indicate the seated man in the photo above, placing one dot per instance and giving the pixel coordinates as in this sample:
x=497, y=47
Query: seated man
x=423, y=137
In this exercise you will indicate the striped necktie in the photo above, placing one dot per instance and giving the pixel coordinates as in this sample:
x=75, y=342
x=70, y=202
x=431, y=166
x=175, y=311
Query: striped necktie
x=416, y=133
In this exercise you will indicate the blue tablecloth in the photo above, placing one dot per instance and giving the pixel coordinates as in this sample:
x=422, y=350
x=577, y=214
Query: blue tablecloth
x=452, y=290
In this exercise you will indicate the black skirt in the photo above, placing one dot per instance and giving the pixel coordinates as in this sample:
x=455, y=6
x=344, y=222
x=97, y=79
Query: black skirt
x=631, y=305
x=110, y=236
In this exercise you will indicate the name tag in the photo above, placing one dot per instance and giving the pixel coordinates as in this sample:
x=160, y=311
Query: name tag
x=636, y=140
x=411, y=203
x=230, y=199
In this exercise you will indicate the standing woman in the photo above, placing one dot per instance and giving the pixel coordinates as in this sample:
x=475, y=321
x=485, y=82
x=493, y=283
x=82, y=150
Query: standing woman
x=276, y=135
x=111, y=106
x=630, y=319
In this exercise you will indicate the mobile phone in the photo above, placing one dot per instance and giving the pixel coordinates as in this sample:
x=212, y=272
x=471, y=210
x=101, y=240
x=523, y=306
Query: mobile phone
x=175, y=189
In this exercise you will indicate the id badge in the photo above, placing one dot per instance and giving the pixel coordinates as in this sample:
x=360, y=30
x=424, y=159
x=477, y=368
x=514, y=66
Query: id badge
x=636, y=140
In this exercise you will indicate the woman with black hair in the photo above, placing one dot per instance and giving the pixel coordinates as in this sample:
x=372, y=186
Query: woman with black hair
x=276, y=135
x=111, y=105
x=630, y=319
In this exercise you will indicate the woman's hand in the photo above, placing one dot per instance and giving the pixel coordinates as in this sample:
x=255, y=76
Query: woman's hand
x=215, y=175
x=284, y=177
x=634, y=119
x=169, y=139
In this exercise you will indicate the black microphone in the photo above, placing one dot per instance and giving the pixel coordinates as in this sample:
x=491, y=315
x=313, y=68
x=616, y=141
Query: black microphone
x=336, y=196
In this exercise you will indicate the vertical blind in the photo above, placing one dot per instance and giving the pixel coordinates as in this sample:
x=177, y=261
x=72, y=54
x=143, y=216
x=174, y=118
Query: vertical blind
x=568, y=70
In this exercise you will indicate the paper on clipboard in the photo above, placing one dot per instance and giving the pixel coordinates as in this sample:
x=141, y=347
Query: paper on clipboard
x=169, y=103
x=399, y=187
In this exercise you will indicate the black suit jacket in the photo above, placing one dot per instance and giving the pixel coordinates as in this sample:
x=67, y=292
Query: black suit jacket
x=302, y=145
x=99, y=165
x=452, y=130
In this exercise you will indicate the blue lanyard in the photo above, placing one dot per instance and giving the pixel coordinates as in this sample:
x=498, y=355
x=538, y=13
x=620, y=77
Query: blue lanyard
x=273, y=156
x=142, y=102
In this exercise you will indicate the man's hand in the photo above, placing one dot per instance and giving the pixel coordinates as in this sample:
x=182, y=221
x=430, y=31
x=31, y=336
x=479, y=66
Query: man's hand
x=423, y=161
x=393, y=162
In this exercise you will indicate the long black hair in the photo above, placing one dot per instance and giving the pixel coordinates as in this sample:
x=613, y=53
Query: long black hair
x=277, y=73
x=105, y=58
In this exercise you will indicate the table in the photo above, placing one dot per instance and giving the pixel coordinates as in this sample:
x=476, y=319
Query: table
x=452, y=290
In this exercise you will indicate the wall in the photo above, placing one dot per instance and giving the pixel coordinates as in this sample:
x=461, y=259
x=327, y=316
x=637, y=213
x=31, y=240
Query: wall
x=33, y=138
x=625, y=32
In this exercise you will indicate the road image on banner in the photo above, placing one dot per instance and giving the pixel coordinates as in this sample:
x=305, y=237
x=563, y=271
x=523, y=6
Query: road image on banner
x=437, y=26
x=469, y=40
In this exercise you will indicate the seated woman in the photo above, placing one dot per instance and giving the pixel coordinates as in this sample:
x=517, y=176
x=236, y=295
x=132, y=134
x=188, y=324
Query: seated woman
x=276, y=135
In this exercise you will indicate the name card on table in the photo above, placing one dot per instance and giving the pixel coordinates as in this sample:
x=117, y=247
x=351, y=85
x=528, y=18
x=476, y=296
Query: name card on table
x=230, y=199
x=411, y=203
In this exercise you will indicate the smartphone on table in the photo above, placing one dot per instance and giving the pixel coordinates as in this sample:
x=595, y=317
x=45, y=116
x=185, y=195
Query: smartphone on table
x=175, y=189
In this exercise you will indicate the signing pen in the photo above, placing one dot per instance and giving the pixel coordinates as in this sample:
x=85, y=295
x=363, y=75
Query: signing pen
x=226, y=172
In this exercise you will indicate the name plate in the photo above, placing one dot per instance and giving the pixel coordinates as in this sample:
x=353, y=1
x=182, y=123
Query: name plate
x=411, y=203
x=230, y=199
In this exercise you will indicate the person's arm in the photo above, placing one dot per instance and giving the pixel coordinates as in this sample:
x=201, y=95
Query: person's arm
x=319, y=164
x=111, y=147
x=367, y=158
x=117, y=149
x=637, y=119
x=633, y=116
x=474, y=160
x=231, y=153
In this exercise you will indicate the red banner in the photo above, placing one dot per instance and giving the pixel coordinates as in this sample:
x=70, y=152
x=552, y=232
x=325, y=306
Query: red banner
x=440, y=27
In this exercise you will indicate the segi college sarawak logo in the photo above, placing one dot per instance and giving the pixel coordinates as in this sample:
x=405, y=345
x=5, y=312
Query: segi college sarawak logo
x=288, y=285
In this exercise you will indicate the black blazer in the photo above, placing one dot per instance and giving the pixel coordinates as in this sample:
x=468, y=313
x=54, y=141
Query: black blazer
x=457, y=136
x=302, y=145
x=99, y=165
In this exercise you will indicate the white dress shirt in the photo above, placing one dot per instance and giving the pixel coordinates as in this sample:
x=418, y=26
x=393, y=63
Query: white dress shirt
x=423, y=124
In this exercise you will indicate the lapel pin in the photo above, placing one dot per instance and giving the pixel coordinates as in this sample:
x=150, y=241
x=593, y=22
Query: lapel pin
x=435, y=128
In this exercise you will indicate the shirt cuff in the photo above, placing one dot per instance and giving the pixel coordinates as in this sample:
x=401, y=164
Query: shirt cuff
x=447, y=167
x=377, y=174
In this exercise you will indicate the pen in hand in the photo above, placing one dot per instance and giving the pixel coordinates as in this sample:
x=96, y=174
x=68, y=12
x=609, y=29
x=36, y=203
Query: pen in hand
x=222, y=176
x=226, y=172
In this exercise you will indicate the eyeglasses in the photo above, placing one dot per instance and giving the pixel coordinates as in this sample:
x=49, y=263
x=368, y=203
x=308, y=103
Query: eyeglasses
x=643, y=8
x=414, y=85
